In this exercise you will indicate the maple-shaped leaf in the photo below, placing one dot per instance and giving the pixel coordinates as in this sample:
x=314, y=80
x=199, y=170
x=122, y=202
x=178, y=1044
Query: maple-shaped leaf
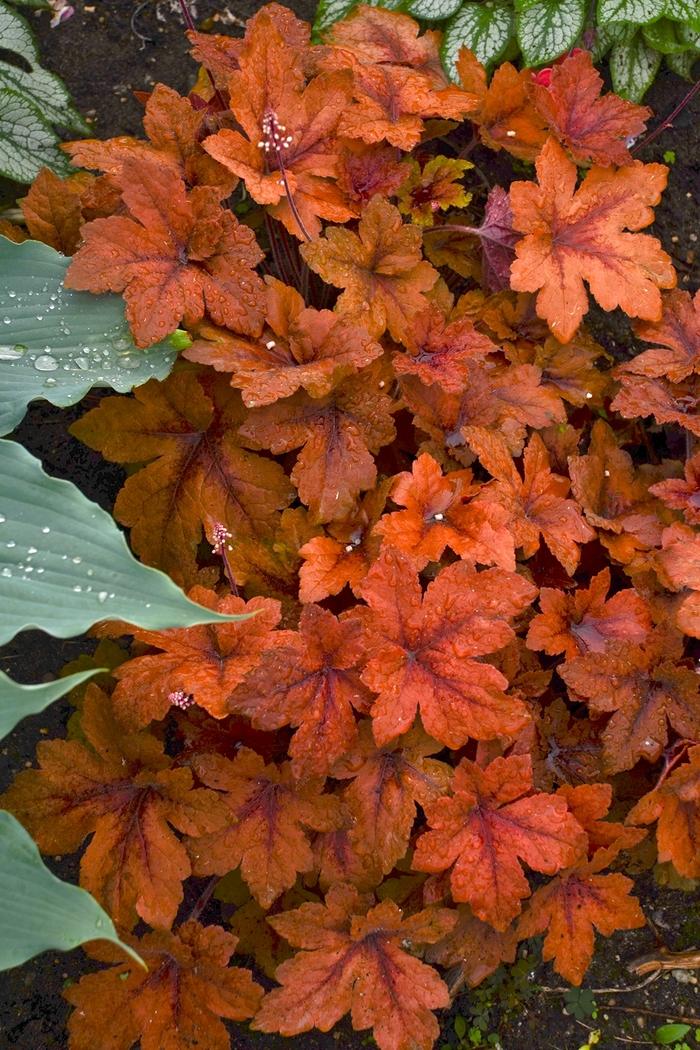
x=368, y=169
x=284, y=147
x=386, y=784
x=354, y=959
x=204, y=664
x=573, y=369
x=342, y=857
x=176, y=256
x=484, y=831
x=575, y=904
x=381, y=268
x=198, y=471
x=178, y=1002
x=52, y=210
x=377, y=37
x=391, y=103
x=439, y=515
x=587, y=620
x=507, y=117
x=537, y=502
x=675, y=805
x=592, y=127
x=590, y=804
x=505, y=400
x=436, y=188
x=640, y=396
x=174, y=129
x=498, y=239
x=437, y=349
x=682, y=494
x=568, y=749
x=574, y=235
x=676, y=338
x=678, y=566
x=121, y=789
x=423, y=649
x=338, y=436
x=475, y=947
x=268, y=816
x=299, y=348
x=644, y=687
x=344, y=555
x=310, y=679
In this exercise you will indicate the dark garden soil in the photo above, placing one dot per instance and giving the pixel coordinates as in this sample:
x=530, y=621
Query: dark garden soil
x=106, y=51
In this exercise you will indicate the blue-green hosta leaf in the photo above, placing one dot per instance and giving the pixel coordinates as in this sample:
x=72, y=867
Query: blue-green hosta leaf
x=19, y=701
x=633, y=66
x=665, y=36
x=486, y=29
x=548, y=28
x=64, y=564
x=638, y=11
x=433, y=10
x=40, y=912
x=55, y=343
x=328, y=13
x=27, y=142
x=44, y=89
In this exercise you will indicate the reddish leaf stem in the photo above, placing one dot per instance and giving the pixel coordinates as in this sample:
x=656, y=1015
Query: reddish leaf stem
x=203, y=900
x=667, y=122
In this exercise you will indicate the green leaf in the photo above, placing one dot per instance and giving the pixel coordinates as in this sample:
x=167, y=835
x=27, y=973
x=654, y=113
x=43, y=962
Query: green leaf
x=64, y=564
x=669, y=1033
x=328, y=13
x=548, y=28
x=486, y=29
x=39, y=912
x=638, y=11
x=57, y=344
x=433, y=10
x=606, y=36
x=44, y=89
x=18, y=701
x=683, y=64
x=633, y=66
x=665, y=37
x=27, y=142
x=686, y=11
x=460, y=1026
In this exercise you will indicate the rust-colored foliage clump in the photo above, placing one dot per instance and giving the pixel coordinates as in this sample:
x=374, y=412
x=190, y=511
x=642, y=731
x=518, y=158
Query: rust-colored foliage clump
x=475, y=594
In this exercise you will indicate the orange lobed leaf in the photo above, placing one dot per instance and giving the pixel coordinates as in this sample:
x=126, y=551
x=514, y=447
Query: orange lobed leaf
x=177, y=1003
x=575, y=904
x=587, y=620
x=537, y=502
x=640, y=396
x=346, y=553
x=507, y=117
x=176, y=255
x=484, y=831
x=204, y=664
x=592, y=127
x=376, y=36
x=198, y=468
x=422, y=649
x=309, y=679
x=338, y=435
x=299, y=348
x=266, y=829
x=474, y=946
x=174, y=129
x=678, y=566
x=644, y=687
x=676, y=337
x=121, y=789
x=438, y=515
x=439, y=350
x=386, y=783
x=285, y=144
x=366, y=170
x=52, y=210
x=355, y=960
x=435, y=188
x=572, y=235
x=380, y=267
x=675, y=805
x=683, y=495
